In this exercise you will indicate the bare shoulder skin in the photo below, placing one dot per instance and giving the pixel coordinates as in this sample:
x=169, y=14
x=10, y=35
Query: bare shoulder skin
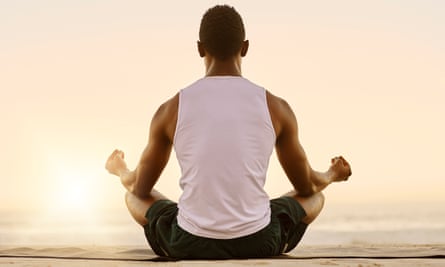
x=292, y=157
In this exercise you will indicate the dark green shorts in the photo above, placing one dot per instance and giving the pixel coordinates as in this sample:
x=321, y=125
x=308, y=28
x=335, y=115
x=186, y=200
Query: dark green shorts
x=283, y=233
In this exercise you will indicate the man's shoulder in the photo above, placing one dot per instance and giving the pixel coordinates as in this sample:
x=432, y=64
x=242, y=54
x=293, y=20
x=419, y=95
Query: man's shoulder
x=276, y=103
x=169, y=107
x=164, y=120
x=280, y=112
x=167, y=111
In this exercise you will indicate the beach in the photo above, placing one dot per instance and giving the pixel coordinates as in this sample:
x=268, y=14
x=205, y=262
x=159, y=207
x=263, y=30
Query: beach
x=359, y=255
x=339, y=224
x=353, y=235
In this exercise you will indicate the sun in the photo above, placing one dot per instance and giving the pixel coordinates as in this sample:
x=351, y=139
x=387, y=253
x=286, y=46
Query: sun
x=71, y=205
x=72, y=193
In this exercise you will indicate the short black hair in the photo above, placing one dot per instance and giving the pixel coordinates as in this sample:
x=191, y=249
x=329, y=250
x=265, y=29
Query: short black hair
x=222, y=31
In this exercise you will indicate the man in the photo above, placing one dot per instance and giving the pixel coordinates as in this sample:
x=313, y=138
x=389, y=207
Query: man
x=224, y=129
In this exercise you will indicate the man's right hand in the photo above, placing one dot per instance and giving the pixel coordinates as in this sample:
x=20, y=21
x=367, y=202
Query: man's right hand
x=116, y=163
x=340, y=168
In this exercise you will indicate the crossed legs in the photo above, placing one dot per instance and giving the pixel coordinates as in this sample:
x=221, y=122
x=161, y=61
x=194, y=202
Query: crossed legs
x=312, y=205
x=138, y=207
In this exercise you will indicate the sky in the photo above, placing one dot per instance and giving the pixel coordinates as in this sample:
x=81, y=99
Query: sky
x=366, y=80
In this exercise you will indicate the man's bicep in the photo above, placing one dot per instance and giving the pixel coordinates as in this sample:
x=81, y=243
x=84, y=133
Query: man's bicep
x=292, y=156
x=159, y=144
x=155, y=156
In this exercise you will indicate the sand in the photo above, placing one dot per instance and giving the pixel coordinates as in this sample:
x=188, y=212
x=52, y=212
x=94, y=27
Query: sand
x=359, y=255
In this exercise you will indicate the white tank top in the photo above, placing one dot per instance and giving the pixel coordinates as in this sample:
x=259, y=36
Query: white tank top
x=223, y=141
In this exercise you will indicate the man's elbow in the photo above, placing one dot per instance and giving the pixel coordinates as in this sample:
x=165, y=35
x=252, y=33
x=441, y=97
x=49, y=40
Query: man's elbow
x=307, y=191
x=141, y=194
x=304, y=187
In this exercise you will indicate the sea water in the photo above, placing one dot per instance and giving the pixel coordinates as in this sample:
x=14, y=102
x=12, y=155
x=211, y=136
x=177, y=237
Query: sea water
x=401, y=223
x=337, y=225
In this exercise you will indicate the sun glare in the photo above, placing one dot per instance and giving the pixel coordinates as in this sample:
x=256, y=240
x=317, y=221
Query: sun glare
x=71, y=213
x=72, y=193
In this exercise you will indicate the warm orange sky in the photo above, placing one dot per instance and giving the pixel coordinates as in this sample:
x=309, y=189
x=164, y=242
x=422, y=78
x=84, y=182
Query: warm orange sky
x=79, y=78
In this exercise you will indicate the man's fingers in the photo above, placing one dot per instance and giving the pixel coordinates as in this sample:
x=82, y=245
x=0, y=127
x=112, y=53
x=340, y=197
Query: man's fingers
x=341, y=159
x=114, y=154
x=346, y=164
x=344, y=161
x=117, y=153
x=337, y=161
x=334, y=160
x=342, y=167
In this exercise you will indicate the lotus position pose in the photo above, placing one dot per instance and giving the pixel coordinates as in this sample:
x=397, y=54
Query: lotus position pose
x=223, y=129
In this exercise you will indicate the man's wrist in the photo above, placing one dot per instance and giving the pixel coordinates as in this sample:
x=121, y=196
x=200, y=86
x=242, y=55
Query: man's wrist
x=332, y=176
x=123, y=172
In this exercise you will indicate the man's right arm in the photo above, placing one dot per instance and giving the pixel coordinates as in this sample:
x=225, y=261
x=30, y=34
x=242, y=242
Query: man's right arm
x=292, y=157
x=155, y=156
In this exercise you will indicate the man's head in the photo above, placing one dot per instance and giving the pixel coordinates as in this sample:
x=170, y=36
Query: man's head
x=222, y=33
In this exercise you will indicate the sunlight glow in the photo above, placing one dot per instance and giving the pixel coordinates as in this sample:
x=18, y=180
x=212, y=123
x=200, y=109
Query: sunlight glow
x=72, y=193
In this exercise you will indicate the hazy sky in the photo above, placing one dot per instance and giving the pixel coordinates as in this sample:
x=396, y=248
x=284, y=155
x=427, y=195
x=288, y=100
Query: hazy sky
x=366, y=79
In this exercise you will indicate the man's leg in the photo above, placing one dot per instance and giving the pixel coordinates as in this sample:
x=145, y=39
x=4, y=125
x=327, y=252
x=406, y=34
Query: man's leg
x=138, y=207
x=312, y=205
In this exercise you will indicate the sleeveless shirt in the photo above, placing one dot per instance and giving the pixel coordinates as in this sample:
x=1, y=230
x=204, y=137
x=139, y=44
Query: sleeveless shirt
x=223, y=141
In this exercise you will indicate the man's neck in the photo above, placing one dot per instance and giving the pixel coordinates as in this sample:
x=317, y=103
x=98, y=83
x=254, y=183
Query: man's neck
x=229, y=67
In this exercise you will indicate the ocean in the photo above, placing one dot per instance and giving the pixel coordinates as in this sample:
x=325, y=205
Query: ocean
x=337, y=225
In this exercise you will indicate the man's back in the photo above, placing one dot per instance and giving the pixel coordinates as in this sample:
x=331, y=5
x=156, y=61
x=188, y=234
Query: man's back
x=225, y=130
x=224, y=138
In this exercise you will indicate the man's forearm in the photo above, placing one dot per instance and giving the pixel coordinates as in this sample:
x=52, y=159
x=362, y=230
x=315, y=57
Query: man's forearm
x=321, y=180
x=128, y=179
